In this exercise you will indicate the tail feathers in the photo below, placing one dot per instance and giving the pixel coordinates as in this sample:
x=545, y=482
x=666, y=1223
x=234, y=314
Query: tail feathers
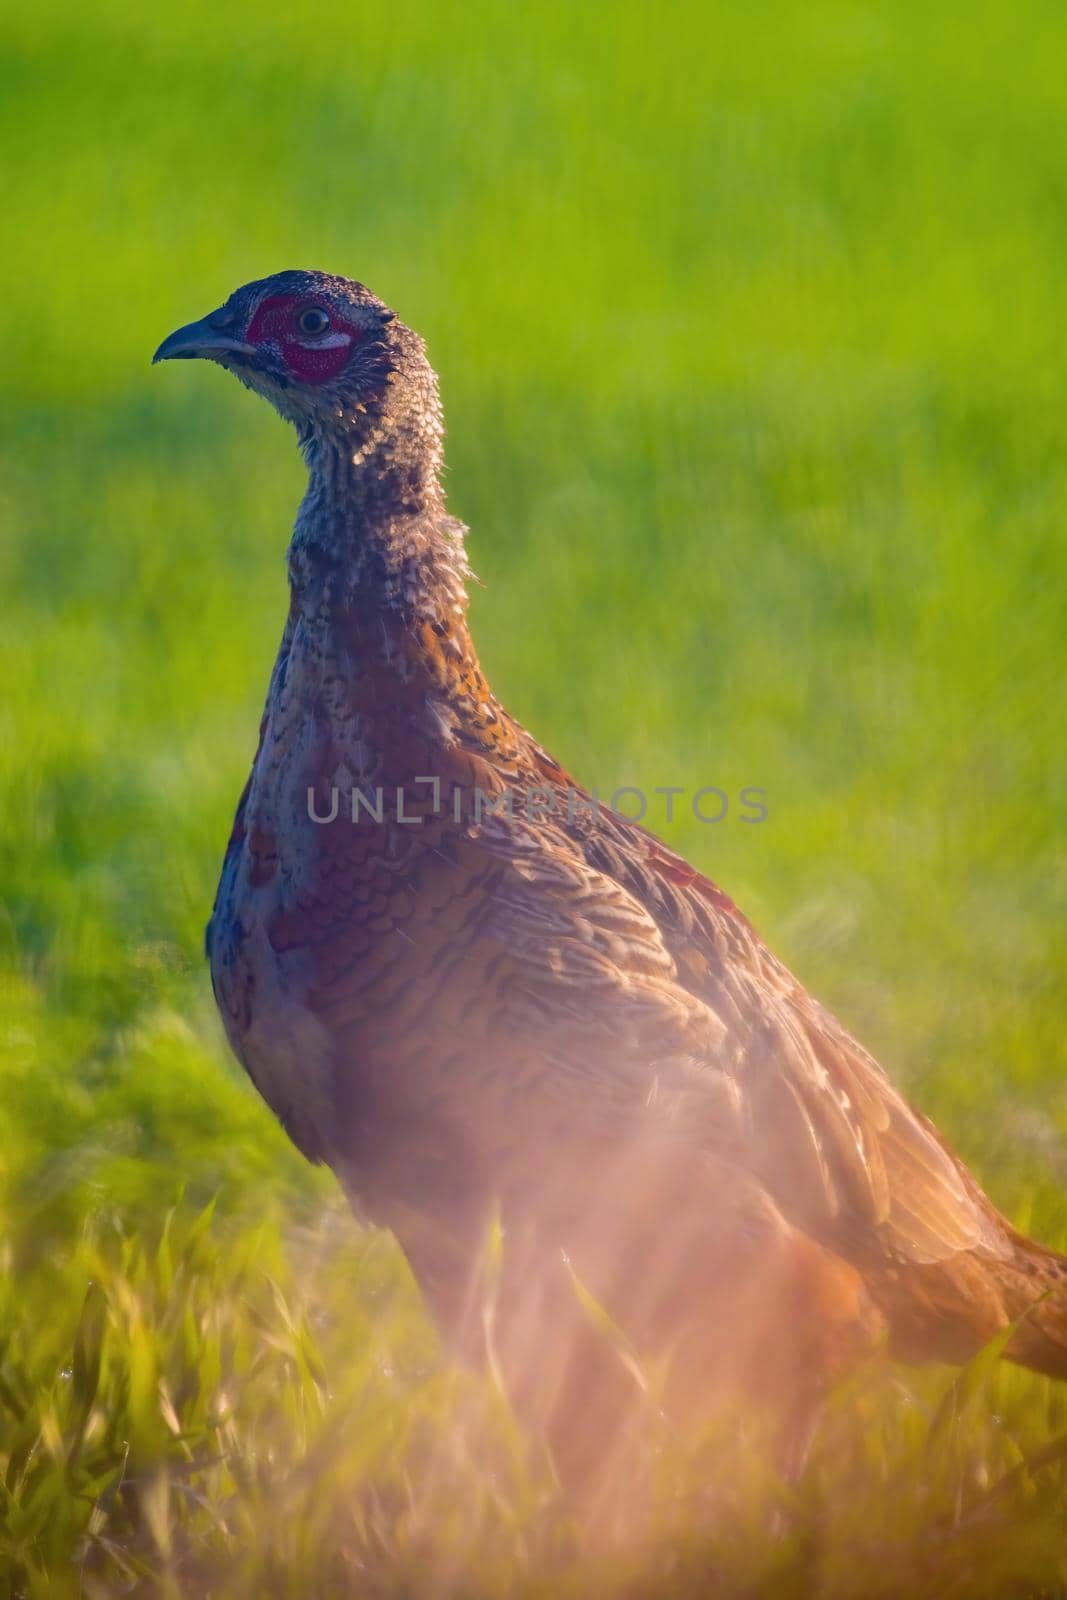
x=1034, y=1286
x=947, y=1310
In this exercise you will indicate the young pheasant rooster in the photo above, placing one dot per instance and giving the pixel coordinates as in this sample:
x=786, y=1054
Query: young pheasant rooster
x=477, y=996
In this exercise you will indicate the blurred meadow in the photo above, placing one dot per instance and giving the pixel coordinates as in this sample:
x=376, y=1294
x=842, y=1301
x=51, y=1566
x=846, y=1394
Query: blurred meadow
x=751, y=335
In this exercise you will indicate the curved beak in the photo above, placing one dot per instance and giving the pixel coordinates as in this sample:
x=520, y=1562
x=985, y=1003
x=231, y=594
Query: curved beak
x=203, y=338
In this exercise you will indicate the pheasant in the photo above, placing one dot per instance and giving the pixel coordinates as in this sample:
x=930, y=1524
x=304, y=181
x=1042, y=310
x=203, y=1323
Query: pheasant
x=478, y=995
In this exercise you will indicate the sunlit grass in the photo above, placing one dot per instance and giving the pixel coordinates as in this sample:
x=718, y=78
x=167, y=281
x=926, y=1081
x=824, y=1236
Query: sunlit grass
x=261, y=1410
x=750, y=334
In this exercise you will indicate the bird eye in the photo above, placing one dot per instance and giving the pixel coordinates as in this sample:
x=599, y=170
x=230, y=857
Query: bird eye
x=312, y=320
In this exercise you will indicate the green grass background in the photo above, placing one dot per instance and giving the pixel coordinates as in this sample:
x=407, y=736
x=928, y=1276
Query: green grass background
x=751, y=335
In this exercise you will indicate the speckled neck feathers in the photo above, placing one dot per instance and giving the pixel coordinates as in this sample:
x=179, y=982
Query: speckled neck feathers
x=372, y=527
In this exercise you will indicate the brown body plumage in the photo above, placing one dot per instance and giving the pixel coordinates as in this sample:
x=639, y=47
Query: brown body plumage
x=532, y=1009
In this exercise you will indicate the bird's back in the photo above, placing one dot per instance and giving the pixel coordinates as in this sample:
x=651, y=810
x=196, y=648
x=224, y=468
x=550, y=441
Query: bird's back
x=465, y=985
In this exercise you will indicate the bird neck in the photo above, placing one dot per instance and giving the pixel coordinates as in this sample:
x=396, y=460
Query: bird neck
x=379, y=603
x=372, y=533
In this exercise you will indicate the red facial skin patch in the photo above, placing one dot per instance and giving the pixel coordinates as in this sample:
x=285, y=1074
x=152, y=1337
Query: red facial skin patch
x=310, y=360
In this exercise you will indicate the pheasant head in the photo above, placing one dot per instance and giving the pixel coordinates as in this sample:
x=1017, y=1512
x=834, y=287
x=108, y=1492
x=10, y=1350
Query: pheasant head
x=335, y=361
